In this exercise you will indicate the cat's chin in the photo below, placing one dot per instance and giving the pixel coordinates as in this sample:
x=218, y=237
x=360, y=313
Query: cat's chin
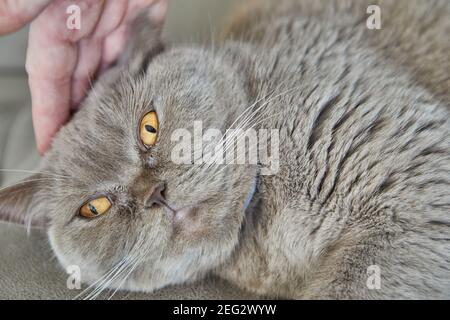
x=179, y=214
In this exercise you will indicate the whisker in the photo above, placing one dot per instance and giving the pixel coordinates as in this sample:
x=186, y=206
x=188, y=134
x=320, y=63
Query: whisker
x=248, y=118
x=34, y=172
x=114, y=267
x=106, y=284
x=244, y=113
x=97, y=285
x=137, y=262
x=230, y=140
x=128, y=260
x=25, y=182
x=218, y=172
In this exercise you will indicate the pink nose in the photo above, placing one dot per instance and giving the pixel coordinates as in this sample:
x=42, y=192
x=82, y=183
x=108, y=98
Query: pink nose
x=155, y=196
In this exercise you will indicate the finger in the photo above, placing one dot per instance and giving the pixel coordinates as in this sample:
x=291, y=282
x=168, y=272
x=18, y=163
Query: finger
x=111, y=17
x=89, y=56
x=90, y=50
x=50, y=64
x=115, y=42
x=50, y=110
x=51, y=59
x=113, y=46
x=158, y=9
x=16, y=13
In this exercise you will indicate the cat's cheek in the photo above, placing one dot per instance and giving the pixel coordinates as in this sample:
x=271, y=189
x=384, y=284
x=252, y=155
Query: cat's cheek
x=70, y=258
x=58, y=250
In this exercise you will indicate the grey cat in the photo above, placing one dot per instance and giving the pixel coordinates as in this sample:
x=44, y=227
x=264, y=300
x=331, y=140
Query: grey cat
x=362, y=188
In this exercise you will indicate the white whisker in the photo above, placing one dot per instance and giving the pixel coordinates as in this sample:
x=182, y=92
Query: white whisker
x=34, y=172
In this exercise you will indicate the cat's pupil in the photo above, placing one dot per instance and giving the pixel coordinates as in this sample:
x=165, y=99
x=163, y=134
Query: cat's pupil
x=92, y=208
x=150, y=129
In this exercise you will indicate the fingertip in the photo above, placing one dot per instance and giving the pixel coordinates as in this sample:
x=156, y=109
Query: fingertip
x=50, y=108
x=41, y=147
x=44, y=135
x=42, y=144
x=158, y=11
x=47, y=123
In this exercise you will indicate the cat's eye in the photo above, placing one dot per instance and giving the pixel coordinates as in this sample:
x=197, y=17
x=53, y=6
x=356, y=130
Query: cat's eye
x=148, y=131
x=96, y=207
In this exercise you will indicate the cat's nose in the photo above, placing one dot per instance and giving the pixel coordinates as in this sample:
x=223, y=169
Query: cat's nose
x=155, y=196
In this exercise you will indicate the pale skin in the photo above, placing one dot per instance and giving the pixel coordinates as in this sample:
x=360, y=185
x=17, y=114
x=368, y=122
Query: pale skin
x=62, y=63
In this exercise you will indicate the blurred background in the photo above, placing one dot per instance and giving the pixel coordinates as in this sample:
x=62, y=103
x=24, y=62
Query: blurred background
x=187, y=21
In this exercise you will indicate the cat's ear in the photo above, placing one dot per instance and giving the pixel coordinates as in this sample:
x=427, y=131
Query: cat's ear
x=20, y=203
x=145, y=38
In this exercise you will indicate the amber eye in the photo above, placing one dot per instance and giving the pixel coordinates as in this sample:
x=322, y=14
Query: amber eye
x=149, y=129
x=95, y=208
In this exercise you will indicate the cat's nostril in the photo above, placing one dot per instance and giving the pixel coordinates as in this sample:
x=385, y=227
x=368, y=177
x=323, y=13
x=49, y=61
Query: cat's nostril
x=155, y=196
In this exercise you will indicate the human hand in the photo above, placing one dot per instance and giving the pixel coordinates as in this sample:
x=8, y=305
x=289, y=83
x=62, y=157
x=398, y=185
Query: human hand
x=62, y=62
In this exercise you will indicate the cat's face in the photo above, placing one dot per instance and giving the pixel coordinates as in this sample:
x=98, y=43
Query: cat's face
x=101, y=155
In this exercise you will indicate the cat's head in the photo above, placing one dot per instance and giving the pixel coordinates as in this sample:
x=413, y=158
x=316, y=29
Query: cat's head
x=112, y=193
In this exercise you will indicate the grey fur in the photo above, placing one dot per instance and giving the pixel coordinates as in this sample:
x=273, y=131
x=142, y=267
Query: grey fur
x=364, y=171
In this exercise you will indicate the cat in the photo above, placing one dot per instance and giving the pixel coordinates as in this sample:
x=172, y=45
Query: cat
x=362, y=188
